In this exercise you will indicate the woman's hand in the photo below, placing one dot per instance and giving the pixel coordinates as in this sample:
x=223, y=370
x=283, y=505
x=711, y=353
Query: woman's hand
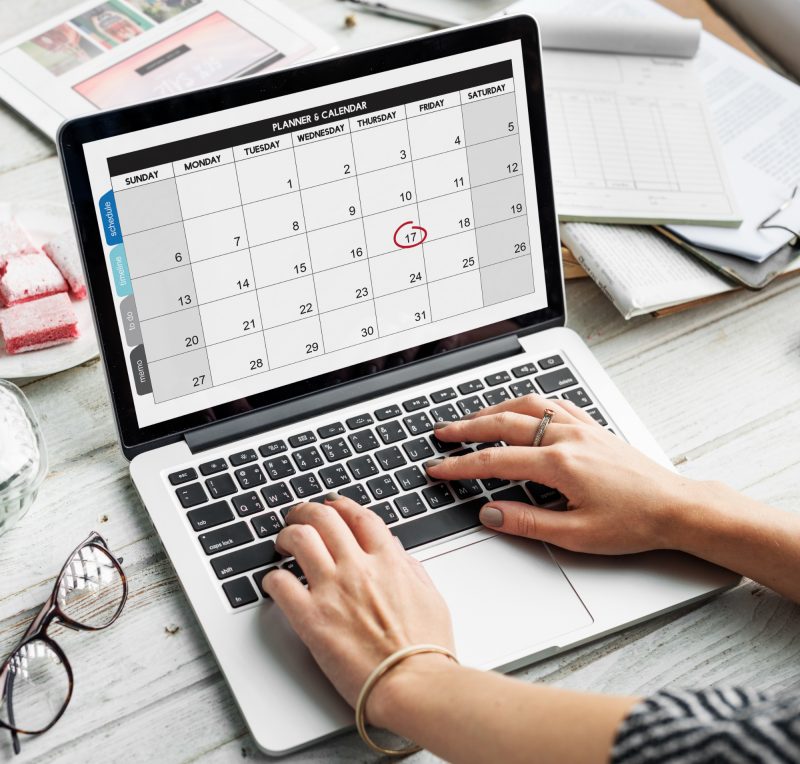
x=366, y=597
x=622, y=501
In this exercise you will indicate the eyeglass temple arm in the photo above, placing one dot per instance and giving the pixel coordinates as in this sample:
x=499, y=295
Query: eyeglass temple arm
x=8, y=692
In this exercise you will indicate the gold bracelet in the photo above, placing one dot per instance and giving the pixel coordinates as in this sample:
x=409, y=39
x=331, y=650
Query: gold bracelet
x=382, y=668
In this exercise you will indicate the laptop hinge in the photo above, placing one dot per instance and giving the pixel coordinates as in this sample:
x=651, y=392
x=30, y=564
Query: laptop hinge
x=220, y=433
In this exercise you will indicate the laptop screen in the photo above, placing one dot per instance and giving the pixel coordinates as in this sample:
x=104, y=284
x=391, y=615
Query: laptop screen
x=266, y=244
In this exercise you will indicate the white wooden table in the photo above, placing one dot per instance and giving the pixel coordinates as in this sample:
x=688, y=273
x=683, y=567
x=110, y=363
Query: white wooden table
x=718, y=386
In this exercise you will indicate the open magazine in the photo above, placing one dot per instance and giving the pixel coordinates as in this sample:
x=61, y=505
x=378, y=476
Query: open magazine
x=102, y=55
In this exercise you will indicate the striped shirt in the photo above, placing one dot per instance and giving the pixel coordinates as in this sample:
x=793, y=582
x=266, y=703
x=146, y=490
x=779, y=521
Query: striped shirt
x=715, y=725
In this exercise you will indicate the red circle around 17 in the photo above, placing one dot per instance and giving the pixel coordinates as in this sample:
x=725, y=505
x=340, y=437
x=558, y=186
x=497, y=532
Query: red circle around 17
x=413, y=237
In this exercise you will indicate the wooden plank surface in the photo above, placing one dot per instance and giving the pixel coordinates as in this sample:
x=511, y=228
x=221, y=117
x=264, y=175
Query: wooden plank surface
x=719, y=387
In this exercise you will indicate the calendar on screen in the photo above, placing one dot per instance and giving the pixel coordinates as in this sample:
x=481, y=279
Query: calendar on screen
x=268, y=243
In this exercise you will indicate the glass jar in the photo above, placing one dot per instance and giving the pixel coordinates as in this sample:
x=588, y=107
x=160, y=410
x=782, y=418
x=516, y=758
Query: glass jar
x=23, y=458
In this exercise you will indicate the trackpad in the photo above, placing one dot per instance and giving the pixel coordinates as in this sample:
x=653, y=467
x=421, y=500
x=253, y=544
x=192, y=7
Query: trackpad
x=508, y=599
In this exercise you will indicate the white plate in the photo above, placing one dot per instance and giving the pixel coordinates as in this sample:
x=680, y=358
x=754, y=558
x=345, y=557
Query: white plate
x=44, y=221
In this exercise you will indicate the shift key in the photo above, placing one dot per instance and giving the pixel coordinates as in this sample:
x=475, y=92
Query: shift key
x=255, y=556
x=556, y=380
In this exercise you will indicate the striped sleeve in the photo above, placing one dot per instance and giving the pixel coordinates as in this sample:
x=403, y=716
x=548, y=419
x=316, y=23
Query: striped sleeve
x=714, y=725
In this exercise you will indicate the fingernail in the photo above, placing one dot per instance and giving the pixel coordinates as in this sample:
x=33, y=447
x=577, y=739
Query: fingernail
x=332, y=496
x=440, y=425
x=470, y=416
x=491, y=516
x=293, y=507
x=432, y=463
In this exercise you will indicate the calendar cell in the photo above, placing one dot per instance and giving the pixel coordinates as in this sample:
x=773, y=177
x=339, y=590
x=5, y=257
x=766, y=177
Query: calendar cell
x=380, y=147
x=267, y=175
x=289, y=302
x=180, y=375
x=208, y=190
x=451, y=256
x=337, y=245
x=215, y=234
x=223, y=276
x=325, y=161
x=507, y=280
x=441, y=174
x=401, y=311
x=342, y=286
x=227, y=319
x=332, y=203
x=295, y=342
x=172, y=334
x=156, y=250
x=436, y=133
x=503, y=241
x=380, y=228
x=238, y=358
x=494, y=160
x=498, y=201
x=349, y=326
x=274, y=219
x=386, y=189
x=490, y=118
x=458, y=294
x=447, y=215
x=165, y=292
x=399, y=270
x=143, y=207
x=282, y=260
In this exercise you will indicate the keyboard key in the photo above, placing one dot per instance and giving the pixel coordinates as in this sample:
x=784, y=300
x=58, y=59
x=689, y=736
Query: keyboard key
x=438, y=495
x=191, y=495
x=410, y=505
x=418, y=449
x=221, y=485
x=247, y=504
x=391, y=432
x=258, y=578
x=214, y=466
x=492, y=484
x=334, y=476
x=272, y=449
x=578, y=396
x=336, y=450
x=387, y=412
x=498, y=379
x=362, y=467
x=524, y=371
x=446, y=413
x=420, y=402
x=494, y=444
x=249, y=477
x=465, y=489
x=543, y=494
x=470, y=405
x=357, y=422
x=523, y=387
x=465, y=388
x=329, y=430
x=307, y=458
x=443, y=447
x=556, y=380
x=279, y=467
x=243, y=457
x=462, y=452
x=385, y=512
x=514, y=493
x=276, y=494
x=493, y=397
x=363, y=441
x=389, y=458
x=242, y=560
x=286, y=510
x=382, y=487
x=597, y=416
x=410, y=477
x=418, y=423
x=183, y=476
x=266, y=525
x=207, y=517
x=550, y=362
x=240, y=592
x=439, y=525
x=303, y=439
x=225, y=538
x=306, y=485
x=355, y=492
x=294, y=568
x=443, y=395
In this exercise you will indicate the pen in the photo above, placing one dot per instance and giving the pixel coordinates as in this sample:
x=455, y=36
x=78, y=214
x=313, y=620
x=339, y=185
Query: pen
x=384, y=9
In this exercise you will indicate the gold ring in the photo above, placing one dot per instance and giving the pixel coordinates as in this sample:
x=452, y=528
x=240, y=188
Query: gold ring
x=546, y=419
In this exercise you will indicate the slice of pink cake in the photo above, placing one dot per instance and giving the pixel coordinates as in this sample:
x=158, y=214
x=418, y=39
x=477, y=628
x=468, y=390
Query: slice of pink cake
x=30, y=277
x=63, y=251
x=38, y=324
x=13, y=241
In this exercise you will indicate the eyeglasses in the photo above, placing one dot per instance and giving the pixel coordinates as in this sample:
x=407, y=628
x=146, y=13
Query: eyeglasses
x=36, y=678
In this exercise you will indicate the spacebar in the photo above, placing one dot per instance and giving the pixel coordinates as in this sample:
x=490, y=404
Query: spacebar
x=437, y=526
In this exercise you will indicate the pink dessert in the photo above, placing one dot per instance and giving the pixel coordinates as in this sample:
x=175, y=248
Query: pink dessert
x=13, y=241
x=63, y=251
x=30, y=277
x=38, y=324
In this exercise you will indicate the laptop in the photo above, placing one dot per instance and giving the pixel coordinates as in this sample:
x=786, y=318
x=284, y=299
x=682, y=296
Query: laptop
x=295, y=275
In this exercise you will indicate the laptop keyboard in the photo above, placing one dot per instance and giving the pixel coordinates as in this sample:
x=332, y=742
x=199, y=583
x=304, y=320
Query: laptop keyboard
x=236, y=503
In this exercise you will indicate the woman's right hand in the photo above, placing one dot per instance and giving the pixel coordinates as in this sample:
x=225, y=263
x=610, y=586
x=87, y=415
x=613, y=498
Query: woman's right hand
x=620, y=500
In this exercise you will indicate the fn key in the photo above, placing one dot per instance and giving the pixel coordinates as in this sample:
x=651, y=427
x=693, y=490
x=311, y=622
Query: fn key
x=240, y=592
